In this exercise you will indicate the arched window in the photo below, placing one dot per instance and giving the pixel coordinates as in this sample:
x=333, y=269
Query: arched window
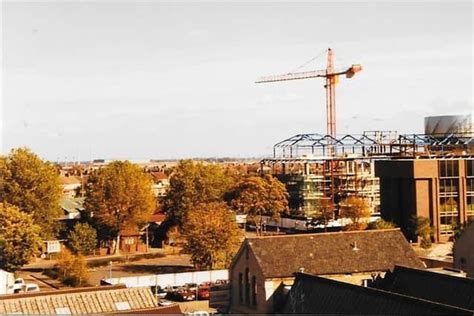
x=247, y=287
x=254, y=291
x=241, y=288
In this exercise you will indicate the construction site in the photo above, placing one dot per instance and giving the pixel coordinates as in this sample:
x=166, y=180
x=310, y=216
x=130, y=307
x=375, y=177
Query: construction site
x=332, y=167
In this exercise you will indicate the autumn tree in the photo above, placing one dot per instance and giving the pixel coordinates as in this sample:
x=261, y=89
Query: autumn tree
x=83, y=239
x=119, y=196
x=324, y=212
x=421, y=227
x=211, y=235
x=380, y=224
x=33, y=186
x=257, y=197
x=19, y=237
x=355, y=208
x=194, y=183
x=72, y=270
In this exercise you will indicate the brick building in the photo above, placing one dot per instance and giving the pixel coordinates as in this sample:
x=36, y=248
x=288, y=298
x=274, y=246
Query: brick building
x=263, y=266
x=440, y=189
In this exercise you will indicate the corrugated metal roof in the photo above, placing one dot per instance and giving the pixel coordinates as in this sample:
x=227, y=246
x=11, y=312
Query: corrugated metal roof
x=83, y=301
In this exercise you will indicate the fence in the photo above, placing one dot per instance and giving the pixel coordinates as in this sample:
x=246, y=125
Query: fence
x=170, y=279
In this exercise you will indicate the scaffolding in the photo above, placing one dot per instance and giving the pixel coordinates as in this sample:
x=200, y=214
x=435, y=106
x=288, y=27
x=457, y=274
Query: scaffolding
x=316, y=166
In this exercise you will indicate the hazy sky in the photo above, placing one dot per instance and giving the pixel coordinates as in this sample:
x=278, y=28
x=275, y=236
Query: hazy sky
x=129, y=79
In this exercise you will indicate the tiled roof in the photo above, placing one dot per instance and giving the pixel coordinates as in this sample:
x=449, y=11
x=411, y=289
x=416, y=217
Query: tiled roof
x=442, y=288
x=158, y=175
x=316, y=295
x=79, y=301
x=157, y=217
x=333, y=253
x=71, y=205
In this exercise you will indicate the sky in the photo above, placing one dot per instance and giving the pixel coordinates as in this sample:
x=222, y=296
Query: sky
x=165, y=80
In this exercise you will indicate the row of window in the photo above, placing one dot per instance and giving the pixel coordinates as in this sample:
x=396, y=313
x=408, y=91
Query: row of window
x=450, y=168
x=247, y=289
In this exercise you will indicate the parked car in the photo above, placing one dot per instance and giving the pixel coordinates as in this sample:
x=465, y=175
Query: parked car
x=159, y=292
x=204, y=290
x=31, y=287
x=165, y=303
x=18, y=285
x=186, y=295
x=191, y=286
x=181, y=294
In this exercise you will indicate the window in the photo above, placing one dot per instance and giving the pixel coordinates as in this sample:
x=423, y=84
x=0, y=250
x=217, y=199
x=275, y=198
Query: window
x=62, y=311
x=470, y=190
x=247, y=287
x=241, y=288
x=448, y=168
x=470, y=208
x=470, y=167
x=254, y=291
x=449, y=214
x=122, y=306
x=448, y=195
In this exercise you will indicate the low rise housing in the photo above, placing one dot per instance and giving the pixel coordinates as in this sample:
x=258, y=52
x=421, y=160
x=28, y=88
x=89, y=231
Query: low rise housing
x=72, y=208
x=70, y=185
x=264, y=265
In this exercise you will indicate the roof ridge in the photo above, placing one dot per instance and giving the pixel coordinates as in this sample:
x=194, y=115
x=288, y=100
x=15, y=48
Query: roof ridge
x=323, y=233
x=431, y=273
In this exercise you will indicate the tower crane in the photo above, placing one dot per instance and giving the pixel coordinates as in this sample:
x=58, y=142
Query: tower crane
x=331, y=76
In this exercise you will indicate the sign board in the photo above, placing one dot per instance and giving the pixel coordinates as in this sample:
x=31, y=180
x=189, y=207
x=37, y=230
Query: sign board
x=53, y=246
x=241, y=218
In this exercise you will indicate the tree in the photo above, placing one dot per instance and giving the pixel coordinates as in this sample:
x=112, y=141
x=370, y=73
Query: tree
x=421, y=226
x=380, y=224
x=193, y=183
x=72, y=270
x=19, y=237
x=33, y=186
x=83, y=239
x=259, y=196
x=212, y=235
x=325, y=212
x=119, y=196
x=355, y=208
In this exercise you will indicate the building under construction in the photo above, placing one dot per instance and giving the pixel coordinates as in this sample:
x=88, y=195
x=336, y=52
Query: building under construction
x=316, y=167
x=329, y=167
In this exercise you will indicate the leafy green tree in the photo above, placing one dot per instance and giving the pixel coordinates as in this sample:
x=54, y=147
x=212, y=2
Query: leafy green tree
x=257, y=197
x=381, y=224
x=119, y=196
x=33, y=186
x=193, y=183
x=83, y=239
x=355, y=208
x=212, y=236
x=19, y=237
